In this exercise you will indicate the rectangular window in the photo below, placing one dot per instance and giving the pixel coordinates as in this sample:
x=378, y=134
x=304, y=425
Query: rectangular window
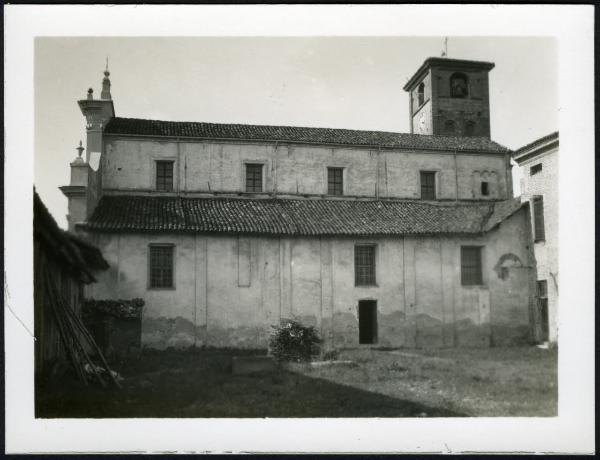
x=335, y=181
x=542, y=289
x=161, y=266
x=535, y=169
x=427, y=185
x=470, y=266
x=538, y=218
x=364, y=265
x=164, y=176
x=485, y=188
x=254, y=182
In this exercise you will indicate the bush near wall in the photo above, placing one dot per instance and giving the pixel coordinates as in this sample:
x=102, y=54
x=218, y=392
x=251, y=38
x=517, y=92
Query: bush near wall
x=126, y=309
x=291, y=341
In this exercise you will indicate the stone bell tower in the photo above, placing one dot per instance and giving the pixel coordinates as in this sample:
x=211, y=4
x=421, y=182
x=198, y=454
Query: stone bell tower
x=450, y=97
x=85, y=188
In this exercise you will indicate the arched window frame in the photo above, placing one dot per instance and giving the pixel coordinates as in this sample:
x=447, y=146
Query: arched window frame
x=456, y=76
x=421, y=94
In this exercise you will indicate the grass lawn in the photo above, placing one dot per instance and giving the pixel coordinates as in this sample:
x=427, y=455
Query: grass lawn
x=378, y=383
x=200, y=384
x=475, y=382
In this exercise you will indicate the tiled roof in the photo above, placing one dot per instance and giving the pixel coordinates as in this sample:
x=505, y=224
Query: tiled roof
x=291, y=217
x=76, y=255
x=140, y=127
x=542, y=140
x=502, y=211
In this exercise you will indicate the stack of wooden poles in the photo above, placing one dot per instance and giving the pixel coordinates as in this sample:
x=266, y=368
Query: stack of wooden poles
x=80, y=346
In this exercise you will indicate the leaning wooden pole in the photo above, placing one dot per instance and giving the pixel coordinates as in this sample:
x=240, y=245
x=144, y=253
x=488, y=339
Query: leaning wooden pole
x=67, y=319
x=77, y=321
x=61, y=326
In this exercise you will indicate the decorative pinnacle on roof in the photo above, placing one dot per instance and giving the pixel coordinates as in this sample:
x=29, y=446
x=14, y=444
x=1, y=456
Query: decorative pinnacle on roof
x=80, y=150
x=90, y=93
x=106, y=84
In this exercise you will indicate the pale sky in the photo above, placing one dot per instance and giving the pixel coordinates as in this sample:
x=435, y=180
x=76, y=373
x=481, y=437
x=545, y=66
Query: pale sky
x=335, y=82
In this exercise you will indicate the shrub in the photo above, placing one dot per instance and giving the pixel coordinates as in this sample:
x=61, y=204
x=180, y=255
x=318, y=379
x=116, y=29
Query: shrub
x=124, y=309
x=291, y=341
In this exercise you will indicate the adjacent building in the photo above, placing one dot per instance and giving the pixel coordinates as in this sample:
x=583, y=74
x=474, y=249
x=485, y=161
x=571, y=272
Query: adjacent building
x=376, y=238
x=539, y=185
x=64, y=266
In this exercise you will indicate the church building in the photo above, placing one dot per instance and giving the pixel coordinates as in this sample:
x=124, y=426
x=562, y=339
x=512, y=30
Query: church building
x=375, y=238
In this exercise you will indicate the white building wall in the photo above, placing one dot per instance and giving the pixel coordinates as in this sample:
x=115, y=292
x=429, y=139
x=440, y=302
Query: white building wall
x=545, y=183
x=229, y=290
x=129, y=163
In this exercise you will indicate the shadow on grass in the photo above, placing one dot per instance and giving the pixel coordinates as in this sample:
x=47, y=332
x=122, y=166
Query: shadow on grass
x=200, y=384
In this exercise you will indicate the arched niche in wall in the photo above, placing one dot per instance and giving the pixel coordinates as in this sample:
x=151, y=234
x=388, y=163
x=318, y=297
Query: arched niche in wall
x=450, y=127
x=469, y=128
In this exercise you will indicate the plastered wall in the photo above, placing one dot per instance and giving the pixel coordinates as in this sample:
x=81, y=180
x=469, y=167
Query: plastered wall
x=128, y=165
x=230, y=290
x=545, y=183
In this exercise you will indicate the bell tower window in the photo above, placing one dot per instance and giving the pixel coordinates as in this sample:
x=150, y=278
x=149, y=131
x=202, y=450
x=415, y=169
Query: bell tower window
x=452, y=89
x=421, y=94
x=459, y=85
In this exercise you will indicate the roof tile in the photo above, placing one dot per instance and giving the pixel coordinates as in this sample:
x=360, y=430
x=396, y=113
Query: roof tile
x=294, y=217
x=141, y=127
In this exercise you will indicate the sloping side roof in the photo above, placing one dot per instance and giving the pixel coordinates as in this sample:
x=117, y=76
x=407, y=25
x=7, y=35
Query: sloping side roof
x=291, y=217
x=536, y=143
x=502, y=211
x=140, y=127
x=78, y=256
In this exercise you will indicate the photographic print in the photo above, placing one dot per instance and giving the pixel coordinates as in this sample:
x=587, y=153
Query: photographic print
x=296, y=227
x=233, y=268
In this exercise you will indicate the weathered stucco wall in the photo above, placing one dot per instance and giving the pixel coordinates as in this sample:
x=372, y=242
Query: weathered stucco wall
x=545, y=183
x=129, y=164
x=229, y=290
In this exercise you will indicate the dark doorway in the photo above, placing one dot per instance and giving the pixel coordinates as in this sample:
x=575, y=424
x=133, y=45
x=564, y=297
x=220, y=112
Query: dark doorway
x=542, y=303
x=544, y=321
x=367, y=321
